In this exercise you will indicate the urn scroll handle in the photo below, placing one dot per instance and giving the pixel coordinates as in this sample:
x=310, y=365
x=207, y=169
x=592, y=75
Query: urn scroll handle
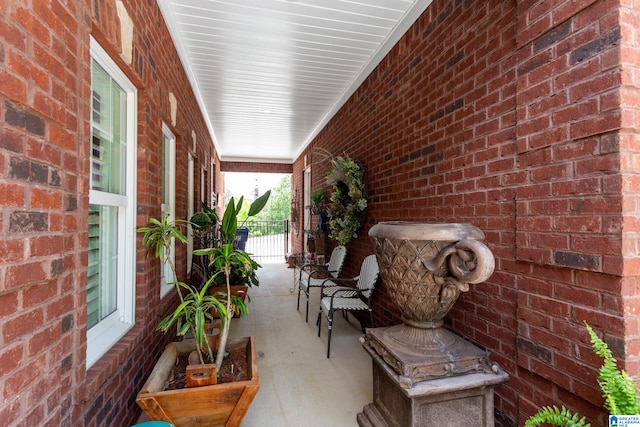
x=471, y=262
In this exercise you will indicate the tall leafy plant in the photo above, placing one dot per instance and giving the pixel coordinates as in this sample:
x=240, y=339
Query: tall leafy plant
x=226, y=259
x=198, y=303
x=195, y=306
x=619, y=390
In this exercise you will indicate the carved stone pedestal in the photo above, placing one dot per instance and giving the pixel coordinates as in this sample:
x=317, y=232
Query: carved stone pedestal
x=458, y=401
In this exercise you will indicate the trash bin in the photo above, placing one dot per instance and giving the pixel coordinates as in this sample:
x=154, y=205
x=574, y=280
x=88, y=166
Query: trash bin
x=242, y=235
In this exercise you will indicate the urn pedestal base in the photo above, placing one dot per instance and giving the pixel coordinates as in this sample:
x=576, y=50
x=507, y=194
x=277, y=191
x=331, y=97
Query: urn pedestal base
x=419, y=354
x=456, y=400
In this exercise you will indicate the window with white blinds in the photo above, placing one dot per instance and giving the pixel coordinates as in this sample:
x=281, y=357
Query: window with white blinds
x=111, y=225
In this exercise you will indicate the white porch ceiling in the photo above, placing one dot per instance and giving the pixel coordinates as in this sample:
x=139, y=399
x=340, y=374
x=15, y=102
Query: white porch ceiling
x=269, y=74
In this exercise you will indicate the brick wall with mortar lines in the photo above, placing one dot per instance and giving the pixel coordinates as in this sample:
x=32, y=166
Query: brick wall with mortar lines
x=629, y=145
x=257, y=167
x=570, y=202
x=506, y=115
x=44, y=146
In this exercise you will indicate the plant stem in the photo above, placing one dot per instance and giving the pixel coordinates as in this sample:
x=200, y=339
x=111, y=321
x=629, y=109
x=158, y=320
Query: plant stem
x=225, y=322
x=175, y=284
x=173, y=270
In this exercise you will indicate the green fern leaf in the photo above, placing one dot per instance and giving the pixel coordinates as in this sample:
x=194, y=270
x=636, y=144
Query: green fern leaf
x=557, y=417
x=619, y=389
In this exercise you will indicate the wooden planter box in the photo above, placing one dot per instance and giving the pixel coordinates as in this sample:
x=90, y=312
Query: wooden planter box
x=212, y=406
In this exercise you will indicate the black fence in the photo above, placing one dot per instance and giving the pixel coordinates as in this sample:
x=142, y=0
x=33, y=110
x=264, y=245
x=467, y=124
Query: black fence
x=268, y=240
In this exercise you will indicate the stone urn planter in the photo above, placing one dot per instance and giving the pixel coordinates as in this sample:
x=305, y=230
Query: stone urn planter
x=424, y=374
x=425, y=267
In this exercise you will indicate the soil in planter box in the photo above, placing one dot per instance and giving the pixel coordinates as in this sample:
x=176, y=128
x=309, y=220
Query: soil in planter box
x=237, y=357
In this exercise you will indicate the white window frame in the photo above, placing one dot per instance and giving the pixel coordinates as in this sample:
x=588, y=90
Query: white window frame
x=190, y=209
x=169, y=203
x=108, y=332
x=202, y=185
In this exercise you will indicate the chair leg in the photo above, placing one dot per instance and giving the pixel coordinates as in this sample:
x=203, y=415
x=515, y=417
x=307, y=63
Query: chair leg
x=319, y=321
x=330, y=320
x=371, y=322
x=299, y=289
x=306, y=317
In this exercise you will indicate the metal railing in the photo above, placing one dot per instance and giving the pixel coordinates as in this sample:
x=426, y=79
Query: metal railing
x=268, y=240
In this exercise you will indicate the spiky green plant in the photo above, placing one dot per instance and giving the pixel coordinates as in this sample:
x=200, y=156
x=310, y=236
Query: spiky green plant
x=192, y=315
x=194, y=306
x=158, y=237
x=197, y=304
x=619, y=390
x=224, y=259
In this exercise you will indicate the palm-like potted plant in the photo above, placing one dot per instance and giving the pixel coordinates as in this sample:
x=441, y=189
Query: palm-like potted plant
x=193, y=314
x=232, y=264
x=195, y=305
x=213, y=232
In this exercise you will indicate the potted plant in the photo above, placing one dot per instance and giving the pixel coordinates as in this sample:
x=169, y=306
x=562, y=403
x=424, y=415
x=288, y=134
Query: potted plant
x=242, y=271
x=234, y=266
x=213, y=232
x=195, y=306
x=206, y=403
x=317, y=201
x=203, y=225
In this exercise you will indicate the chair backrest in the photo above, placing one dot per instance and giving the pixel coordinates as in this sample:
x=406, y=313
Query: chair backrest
x=368, y=275
x=336, y=260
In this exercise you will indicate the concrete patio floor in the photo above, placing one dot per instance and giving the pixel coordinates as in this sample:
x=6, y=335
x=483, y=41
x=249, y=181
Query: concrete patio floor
x=299, y=385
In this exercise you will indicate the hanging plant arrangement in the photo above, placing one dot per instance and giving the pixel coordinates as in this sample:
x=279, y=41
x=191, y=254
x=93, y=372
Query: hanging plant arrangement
x=348, y=203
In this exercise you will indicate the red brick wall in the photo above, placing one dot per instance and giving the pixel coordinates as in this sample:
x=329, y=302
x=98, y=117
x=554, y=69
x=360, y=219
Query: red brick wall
x=258, y=167
x=507, y=115
x=44, y=146
x=569, y=205
x=629, y=146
